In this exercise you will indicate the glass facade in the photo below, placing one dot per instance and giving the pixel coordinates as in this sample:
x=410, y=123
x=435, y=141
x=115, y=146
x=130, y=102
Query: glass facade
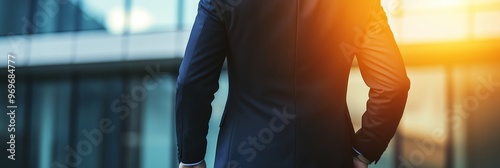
x=113, y=16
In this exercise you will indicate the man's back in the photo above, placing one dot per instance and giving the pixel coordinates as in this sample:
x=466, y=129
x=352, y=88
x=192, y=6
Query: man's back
x=288, y=64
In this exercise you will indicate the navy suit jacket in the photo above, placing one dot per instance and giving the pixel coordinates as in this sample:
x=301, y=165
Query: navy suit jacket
x=288, y=64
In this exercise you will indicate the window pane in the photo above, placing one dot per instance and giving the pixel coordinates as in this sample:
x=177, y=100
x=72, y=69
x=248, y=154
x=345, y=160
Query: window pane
x=432, y=4
x=13, y=17
x=435, y=27
x=190, y=11
x=108, y=15
x=485, y=26
x=153, y=15
x=423, y=126
x=158, y=143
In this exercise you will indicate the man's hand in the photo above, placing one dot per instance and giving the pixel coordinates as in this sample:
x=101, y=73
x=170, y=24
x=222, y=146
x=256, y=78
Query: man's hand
x=358, y=163
x=201, y=165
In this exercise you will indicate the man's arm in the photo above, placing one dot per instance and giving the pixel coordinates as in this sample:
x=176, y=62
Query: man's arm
x=198, y=81
x=383, y=70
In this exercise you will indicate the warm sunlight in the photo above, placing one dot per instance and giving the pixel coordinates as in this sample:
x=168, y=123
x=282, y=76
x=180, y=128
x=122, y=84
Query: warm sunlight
x=420, y=21
x=454, y=30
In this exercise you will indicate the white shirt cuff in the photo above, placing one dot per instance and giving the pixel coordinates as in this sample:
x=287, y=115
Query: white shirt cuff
x=192, y=164
x=359, y=153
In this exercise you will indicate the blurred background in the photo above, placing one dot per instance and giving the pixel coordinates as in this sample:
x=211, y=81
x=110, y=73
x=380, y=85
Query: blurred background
x=95, y=83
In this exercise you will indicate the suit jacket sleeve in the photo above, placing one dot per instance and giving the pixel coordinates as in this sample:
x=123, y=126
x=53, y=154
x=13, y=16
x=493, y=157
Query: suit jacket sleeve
x=383, y=70
x=198, y=81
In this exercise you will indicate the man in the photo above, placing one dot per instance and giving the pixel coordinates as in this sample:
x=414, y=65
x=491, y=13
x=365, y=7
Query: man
x=288, y=63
